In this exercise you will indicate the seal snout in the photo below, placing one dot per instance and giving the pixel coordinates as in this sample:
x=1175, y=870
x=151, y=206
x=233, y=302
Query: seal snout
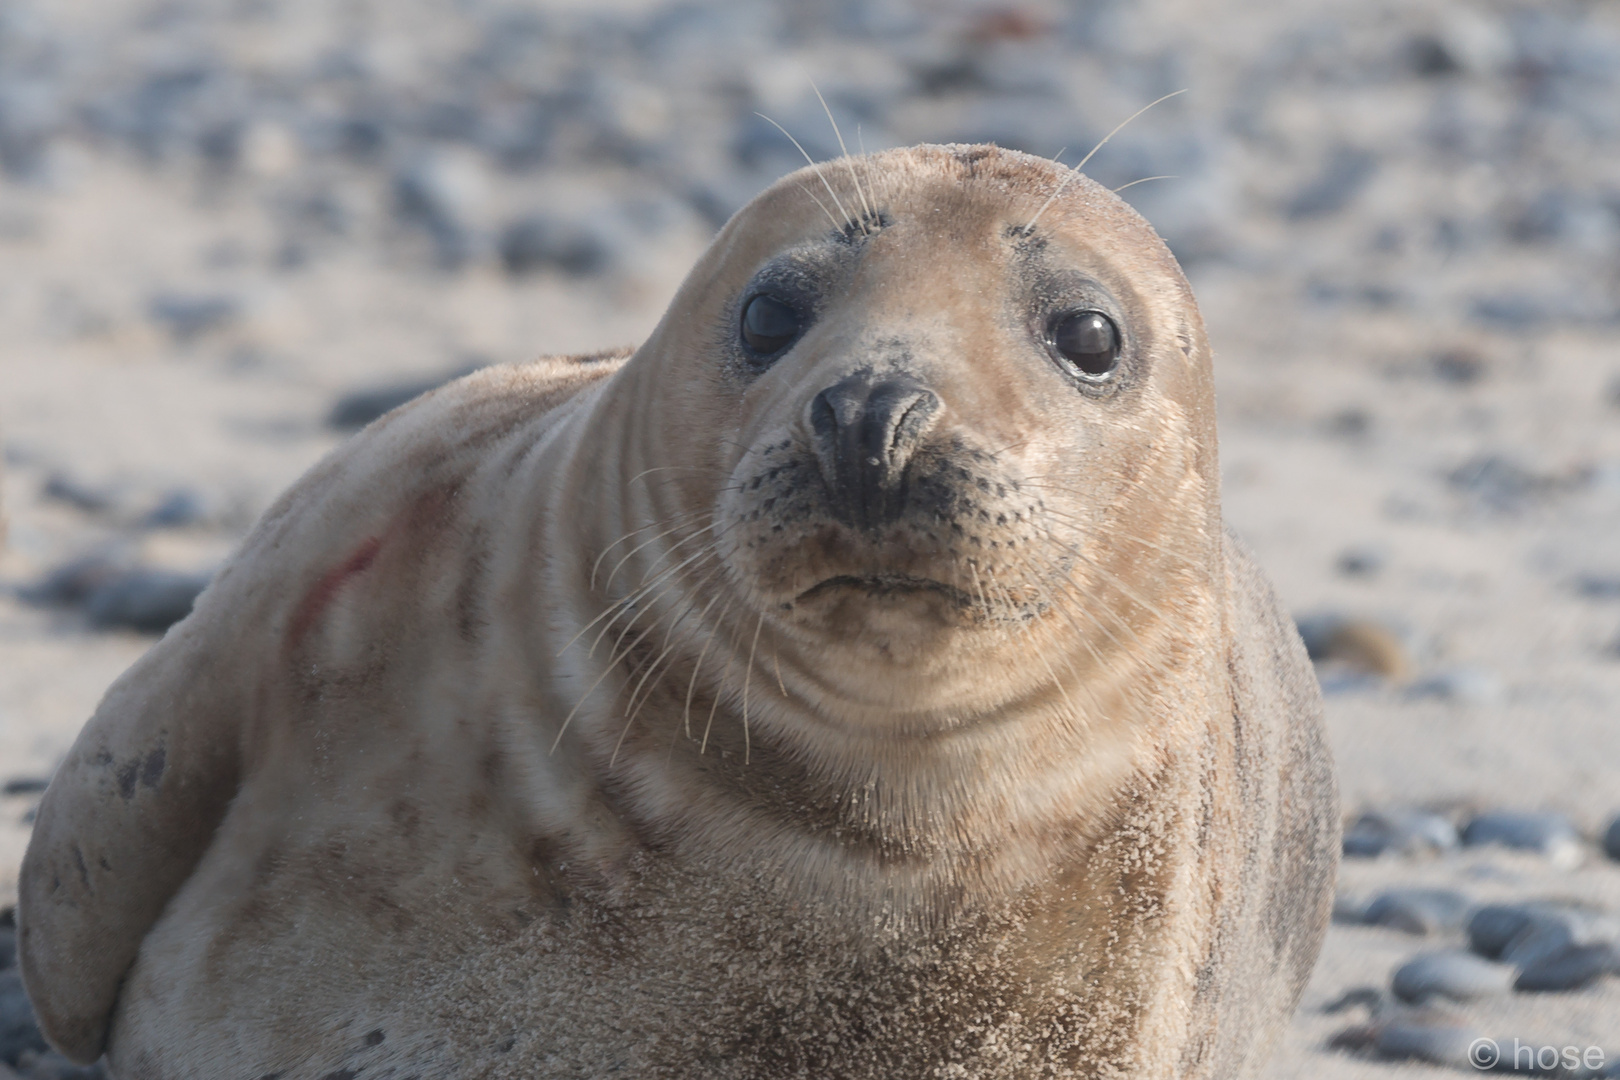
x=864, y=430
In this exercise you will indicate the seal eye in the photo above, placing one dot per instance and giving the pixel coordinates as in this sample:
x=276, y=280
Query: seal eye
x=768, y=325
x=1088, y=340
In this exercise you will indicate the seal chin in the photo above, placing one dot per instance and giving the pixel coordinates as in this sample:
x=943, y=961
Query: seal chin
x=887, y=607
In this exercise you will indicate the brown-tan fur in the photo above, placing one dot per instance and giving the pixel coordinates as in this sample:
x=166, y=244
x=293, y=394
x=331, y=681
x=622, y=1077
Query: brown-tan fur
x=391, y=804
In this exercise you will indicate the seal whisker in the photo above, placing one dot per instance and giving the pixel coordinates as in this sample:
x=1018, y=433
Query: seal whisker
x=1061, y=605
x=669, y=581
x=685, y=515
x=1056, y=682
x=608, y=584
x=731, y=655
x=607, y=669
x=1030, y=228
x=748, y=678
x=1144, y=180
x=668, y=644
x=805, y=188
x=697, y=667
x=866, y=207
x=815, y=166
x=1113, y=578
x=619, y=605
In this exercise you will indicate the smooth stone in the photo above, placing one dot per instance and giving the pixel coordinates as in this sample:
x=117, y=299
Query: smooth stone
x=1361, y=645
x=1611, y=839
x=358, y=408
x=148, y=601
x=77, y=494
x=1469, y=685
x=188, y=317
x=1424, y=1039
x=1454, y=974
x=177, y=509
x=1494, y=926
x=1404, y=832
x=540, y=242
x=1555, y=933
x=1574, y=968
x=1418, y=911
x=1361, y=562
x=1598, y=586
x=74, y=581
x=1370, y=998
x=1548, y=832
x=1499, y=482
x=25, y=785
x=1345, y=173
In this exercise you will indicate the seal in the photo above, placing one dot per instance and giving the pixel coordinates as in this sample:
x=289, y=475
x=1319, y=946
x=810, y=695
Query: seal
x=857, y=681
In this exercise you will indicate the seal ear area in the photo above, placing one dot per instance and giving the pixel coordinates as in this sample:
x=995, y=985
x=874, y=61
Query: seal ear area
x=120, y=829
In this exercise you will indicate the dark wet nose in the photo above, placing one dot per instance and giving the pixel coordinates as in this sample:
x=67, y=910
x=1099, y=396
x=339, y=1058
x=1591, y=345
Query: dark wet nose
x=866, y=428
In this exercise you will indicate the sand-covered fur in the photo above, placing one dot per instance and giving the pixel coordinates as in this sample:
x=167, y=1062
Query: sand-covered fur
x=613, y=715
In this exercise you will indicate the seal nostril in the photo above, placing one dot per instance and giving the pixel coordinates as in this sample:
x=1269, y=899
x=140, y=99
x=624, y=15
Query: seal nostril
x=865, y=433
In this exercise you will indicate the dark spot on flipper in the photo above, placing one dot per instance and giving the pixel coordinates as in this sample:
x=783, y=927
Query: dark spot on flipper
x=506, y=1044
x=152, y=767
x=374, y=1037
x=126, y=779
x=342, y=1074
x=84, y=871
x=105, y=865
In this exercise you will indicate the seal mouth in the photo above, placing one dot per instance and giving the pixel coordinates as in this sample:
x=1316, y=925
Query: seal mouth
x=886, y=585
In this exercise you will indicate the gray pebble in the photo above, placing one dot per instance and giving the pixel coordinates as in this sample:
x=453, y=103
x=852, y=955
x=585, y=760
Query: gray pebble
x=148, y=601
x=1550, y=833
x=1598, y=586
x=74, y=581
x=1361, y=562
x=540, y=242
x=77, y=494
x=358, y=408
x=1552, y=933
x=1403, y=832
x=1493, y=926
x=188, y=317
x=1345, y=173
x=1576, y=967
x=25, y=785
x=1418, y=911
x=177, y=509
x=1611, y=839
x=1454, y=974
x=1424, y=1039
x=1468, y=685
x=18, y=1032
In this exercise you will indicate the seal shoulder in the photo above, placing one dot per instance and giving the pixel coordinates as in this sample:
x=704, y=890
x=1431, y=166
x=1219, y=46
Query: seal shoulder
x=137, y=800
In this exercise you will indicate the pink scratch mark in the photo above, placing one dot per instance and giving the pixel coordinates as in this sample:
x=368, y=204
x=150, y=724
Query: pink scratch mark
x=319, y=598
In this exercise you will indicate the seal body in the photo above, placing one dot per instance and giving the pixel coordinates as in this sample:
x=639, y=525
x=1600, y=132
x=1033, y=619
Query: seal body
x=856, y=682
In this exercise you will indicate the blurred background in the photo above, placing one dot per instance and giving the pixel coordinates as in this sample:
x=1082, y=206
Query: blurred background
x=232, y=231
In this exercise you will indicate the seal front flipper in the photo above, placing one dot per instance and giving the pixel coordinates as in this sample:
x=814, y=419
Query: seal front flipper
x=125, y=820
x=137, y=802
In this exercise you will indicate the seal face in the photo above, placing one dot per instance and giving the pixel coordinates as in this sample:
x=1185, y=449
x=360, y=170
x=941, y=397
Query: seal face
x=855, y=682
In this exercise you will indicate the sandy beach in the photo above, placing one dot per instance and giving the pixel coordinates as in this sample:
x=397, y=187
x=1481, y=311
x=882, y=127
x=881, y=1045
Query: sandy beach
x=1402, y=222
